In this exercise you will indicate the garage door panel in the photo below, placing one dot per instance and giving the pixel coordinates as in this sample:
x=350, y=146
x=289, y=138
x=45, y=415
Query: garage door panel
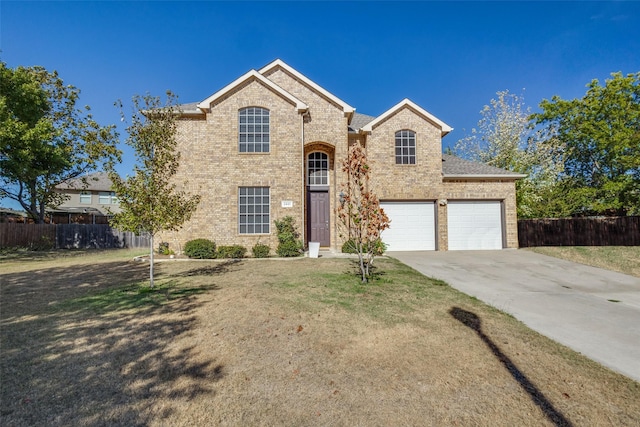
x=474, y=225
x=412, y=226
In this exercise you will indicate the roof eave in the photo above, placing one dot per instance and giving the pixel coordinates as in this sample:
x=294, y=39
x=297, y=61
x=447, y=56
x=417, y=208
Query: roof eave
x=444, y=128
x=484, y=176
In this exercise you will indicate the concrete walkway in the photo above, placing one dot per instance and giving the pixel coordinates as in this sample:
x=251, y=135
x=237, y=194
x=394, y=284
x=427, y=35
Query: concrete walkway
x=593, y=311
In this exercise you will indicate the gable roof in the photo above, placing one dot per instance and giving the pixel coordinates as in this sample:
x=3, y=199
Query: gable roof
x=454, y=167
x=278, y=63
x=407, y=103
x=98, y=181
x=252, y=75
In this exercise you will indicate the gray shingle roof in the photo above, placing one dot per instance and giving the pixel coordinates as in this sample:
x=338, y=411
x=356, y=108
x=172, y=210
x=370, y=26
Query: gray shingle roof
x=358, y=121
x=453, y=166
x=98, y=181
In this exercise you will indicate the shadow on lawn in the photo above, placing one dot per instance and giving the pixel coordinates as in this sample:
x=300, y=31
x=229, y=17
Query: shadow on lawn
x=472, y=321
x=31, y=291
x=210, y=270
x=85, y=364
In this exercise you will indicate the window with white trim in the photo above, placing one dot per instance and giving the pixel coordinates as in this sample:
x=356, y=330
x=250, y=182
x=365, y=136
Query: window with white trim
x=253, y=210
x=85, y=197
x=107, y=198
x=253, y=130
x=405, y=147
x=317, y=169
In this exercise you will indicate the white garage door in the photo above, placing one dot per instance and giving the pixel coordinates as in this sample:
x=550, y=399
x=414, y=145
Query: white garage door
x=474, y=225
x=412, y=226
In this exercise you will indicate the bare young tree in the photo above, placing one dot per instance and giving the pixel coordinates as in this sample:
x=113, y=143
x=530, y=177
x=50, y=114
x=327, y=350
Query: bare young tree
x=360, y=213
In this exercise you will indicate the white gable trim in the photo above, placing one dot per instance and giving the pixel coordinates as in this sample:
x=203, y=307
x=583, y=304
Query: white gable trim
x=445, y=128
x=346, y=108
x=253, y=74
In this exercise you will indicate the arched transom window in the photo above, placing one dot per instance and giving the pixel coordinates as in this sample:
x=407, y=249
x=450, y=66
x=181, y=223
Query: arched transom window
x=318, y=169
x=253, y=130
x=405, y=147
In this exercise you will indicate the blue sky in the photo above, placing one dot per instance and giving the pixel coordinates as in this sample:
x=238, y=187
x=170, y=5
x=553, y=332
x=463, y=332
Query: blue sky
x=448, y=57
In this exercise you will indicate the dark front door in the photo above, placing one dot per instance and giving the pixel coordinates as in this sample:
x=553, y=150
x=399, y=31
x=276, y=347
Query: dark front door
x=319, y=217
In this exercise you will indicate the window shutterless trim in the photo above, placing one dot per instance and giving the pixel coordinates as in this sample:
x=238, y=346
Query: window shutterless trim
x=254, y=133
x=317, y=169
x=254, y=210
x=405, y=147
x=84, y=195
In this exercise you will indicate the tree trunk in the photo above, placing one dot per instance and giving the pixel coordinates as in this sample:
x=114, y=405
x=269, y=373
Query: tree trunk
x=151, y=284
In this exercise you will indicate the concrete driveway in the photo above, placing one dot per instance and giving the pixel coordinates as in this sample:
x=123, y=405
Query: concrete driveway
x=593, y=311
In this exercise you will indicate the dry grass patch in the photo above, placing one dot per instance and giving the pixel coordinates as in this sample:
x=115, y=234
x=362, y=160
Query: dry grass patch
x=623, y=259
x=297, y=342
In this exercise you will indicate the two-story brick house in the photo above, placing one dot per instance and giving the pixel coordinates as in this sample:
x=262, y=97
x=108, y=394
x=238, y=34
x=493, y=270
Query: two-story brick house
x=88, y=200
x=270, y=144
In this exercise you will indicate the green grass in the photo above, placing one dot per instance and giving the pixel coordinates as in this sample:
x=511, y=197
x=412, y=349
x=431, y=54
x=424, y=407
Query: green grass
x=394, y=291
x=133, y=296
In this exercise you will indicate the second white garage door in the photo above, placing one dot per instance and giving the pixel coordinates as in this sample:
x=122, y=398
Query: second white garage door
x=412, y=226
x=474, y=225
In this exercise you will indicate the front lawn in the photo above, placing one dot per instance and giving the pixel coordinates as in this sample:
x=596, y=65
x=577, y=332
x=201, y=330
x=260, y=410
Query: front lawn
x=278, y=342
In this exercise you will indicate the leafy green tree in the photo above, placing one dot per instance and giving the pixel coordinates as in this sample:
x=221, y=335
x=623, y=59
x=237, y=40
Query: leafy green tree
x=45, y=139
x=150, y=200
x=601, y=132
x=506, y=139
x=360, y=213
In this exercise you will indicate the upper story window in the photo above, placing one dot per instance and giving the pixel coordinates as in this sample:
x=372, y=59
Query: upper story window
x=85, y=197
x=107, y=198
x=253, y=130
x=405, y=147
x=318, y=169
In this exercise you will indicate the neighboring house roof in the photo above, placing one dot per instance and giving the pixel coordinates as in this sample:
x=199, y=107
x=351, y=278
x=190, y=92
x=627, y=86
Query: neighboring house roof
x=278, y=63
x=98, y=181
x=252, y=75
x=358, y=121
x=406, y=103
x=455, y=167
x=12, y=212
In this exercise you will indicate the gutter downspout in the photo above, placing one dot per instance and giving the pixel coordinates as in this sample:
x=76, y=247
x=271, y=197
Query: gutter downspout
x=304, y=183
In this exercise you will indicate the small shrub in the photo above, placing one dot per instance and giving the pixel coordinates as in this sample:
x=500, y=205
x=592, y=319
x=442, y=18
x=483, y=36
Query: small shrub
x=234, y=251
x=200, y=249
x=44, y=243
x=260, y=250
x=290, y=245
x=291, y=248
x=349, y=247
x=163, y=248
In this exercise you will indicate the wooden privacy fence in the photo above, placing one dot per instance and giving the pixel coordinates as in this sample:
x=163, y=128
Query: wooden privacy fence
x=26, y=235
x=609, y=231
x=68, y=236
